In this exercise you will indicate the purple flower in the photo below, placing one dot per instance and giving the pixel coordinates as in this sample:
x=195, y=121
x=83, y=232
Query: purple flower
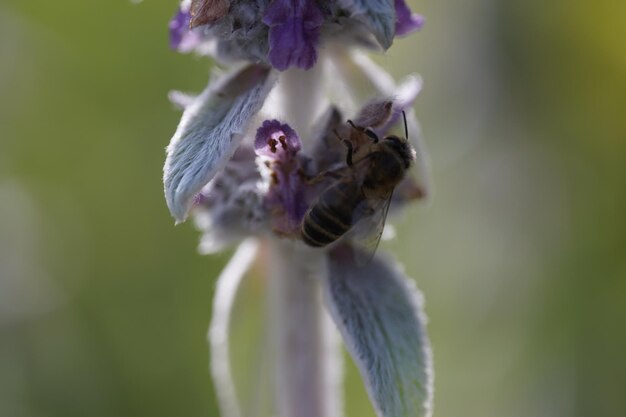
x=278, y=145
x=406, y=21
x=294, y=33
x=181, y=37
x=287, y=33
x=277, y=141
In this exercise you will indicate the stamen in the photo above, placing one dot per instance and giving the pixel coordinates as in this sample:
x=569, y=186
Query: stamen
x=272, y=142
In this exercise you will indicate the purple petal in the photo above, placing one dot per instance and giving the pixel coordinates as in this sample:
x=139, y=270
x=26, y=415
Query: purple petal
x=405, y=95
x=286, y=198
x=276, y=140
x=294, y=33
x=286, y=194
x=375, y=113
x=181, y=38
x=407, y=22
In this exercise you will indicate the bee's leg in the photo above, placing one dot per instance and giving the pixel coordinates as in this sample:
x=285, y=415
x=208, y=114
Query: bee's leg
x=324, y=175
x=348, y=145
x=369, y=132
x=337, y=135
x=350, y=152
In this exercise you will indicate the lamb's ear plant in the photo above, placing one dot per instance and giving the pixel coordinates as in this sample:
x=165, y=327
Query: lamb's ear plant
x=244, y=162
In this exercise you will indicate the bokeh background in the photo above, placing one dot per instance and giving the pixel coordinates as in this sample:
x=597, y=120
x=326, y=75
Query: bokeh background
x=521, y=252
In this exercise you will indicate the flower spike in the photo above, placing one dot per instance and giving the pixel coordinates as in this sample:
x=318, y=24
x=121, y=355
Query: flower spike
x=323, y=152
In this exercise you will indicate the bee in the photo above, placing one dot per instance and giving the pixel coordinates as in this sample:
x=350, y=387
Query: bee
x=359, y=199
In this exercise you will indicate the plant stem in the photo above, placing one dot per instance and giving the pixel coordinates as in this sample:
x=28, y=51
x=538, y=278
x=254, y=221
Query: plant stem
x=301, y=98
x=307, y=357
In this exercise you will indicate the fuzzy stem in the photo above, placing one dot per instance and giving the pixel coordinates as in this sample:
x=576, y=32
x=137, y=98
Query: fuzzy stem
x=306, y=351
x=307, y=354
x=301, y=98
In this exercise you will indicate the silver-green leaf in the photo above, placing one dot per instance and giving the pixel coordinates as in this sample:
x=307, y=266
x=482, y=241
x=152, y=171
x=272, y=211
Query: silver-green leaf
x=228, y=286
x=380, y=315
x=210, y=130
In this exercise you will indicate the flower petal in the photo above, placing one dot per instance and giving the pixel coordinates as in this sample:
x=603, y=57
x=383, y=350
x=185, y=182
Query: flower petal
x=405, y=94
x=407, y=22
x=294, y=32
x=226, y=290
x=375, y=113
x=181, y=37
x=378, y=15
x=380, y=316
x=210, y=130
x=277, y=146
x=276, y=140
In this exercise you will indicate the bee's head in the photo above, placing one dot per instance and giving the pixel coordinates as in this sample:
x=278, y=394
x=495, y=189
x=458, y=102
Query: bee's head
x=401, y=147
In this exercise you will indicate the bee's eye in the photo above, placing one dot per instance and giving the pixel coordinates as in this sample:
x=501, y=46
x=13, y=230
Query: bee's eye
x=396, y=144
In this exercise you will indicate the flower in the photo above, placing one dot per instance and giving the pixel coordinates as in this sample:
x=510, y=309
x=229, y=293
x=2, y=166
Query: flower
x=252, y=155
x=286, y=33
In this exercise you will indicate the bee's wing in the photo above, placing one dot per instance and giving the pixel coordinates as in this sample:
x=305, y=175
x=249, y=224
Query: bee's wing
x=367, y=231
x=355, y=172
x=333, y=173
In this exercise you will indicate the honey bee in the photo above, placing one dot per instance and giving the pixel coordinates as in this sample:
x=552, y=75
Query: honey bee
x=359, y=199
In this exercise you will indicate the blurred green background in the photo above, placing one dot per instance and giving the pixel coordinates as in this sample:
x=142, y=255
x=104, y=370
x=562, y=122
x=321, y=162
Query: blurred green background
x=521, y=253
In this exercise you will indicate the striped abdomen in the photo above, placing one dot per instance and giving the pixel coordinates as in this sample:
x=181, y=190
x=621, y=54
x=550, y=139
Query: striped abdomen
x=331, y=217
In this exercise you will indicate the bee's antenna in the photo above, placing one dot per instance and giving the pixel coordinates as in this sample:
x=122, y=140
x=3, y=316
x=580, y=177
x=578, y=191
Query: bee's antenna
x=406, y=129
